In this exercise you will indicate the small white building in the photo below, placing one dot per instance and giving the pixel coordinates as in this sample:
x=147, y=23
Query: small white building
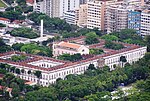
x=69, y=48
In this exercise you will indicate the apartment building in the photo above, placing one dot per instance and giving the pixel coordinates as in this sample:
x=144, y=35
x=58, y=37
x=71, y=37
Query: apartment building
x=145, y=22
x=117, y=18
x=95, y=14
x=70, y=17
x=134, y=20
x=82, y=15
x=56, y=8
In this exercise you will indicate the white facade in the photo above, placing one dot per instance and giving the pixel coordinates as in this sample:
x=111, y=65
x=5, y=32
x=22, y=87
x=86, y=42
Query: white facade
x=69, y=48
x=56, y=8
x=145, y=23
x=94, y=14
x=117, y=18
x=60, y=69
x=70, y=17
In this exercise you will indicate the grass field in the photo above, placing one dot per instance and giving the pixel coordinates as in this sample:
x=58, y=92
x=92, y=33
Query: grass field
x=2, y=4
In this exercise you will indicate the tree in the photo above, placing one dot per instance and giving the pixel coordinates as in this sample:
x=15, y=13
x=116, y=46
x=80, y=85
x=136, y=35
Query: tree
x=123, y=60
x=15, y=89
x=112, y=45
x=17, y=46
x=2, y=25
x=22, y=71
x=38, y=74
x=96, y=51
x=24, y=32
x=12, y=69
x=8, y=78
x=91, y=67
x=110, y=37
x=17, y=71
x=91, y=38
x=148, y=43
x=3, y=46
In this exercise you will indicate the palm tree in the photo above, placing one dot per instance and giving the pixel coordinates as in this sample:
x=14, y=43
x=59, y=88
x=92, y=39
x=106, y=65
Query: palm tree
x=38, y=74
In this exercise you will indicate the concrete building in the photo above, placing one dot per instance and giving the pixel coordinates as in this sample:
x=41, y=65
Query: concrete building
x=39, y=6
x=56, y=8
x=117, y=18
x=134, y=20
x=53, y=69
x=145, y=22
x=95, y=14
x=70, y=17
x=82, y=15
x=69, y=48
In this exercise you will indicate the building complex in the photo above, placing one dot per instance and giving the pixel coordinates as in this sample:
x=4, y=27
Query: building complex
x=52, y=69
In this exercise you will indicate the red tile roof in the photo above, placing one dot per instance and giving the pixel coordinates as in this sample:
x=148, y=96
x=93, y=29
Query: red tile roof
x=30, y=1
x=65, y=64
x=4, y=19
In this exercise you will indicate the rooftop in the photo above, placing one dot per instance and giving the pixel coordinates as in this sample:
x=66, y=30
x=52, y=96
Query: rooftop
x=4, y=19
x=69, y=45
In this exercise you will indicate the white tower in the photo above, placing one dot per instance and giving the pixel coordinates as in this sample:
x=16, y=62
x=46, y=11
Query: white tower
x=41, y=35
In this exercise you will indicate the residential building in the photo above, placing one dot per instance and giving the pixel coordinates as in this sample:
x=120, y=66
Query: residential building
x=82, y=15
x=56, y=8
x=70, y=17
x=39, y=6
x=95, y=11
x=117, y=18
x=145, y=22
x=69, y=48
x=134, y=20
x=52, y=69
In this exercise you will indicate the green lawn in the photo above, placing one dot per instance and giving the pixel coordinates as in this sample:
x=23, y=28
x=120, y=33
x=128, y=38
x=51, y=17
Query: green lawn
x=2, y=4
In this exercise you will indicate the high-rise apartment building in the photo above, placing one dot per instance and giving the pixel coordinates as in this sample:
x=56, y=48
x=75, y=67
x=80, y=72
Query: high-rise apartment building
x=82, y=15
x=117, y=18
x=134, y=20
x=56, y=8
x=95, y=14
x=145, y=22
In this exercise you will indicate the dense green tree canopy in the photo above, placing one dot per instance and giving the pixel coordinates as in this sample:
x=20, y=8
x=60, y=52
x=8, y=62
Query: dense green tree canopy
x=129, y=36
x=75, y=57
x=96, y=51
x=110, y=37
x=36, y=49
x=24, y=32
x=91, y=38
x=112, y=45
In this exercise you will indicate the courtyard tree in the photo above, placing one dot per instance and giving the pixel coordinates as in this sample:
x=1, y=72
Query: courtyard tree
x=91, y=38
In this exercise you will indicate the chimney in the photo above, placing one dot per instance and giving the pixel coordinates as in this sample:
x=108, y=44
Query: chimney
x=41, y=28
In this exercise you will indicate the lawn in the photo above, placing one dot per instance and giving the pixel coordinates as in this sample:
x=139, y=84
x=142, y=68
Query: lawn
x=2, y=4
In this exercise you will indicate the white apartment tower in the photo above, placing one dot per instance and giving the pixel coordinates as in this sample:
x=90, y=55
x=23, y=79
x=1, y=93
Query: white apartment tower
x=95, y=14
x=56, y=8
x=145, y=22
